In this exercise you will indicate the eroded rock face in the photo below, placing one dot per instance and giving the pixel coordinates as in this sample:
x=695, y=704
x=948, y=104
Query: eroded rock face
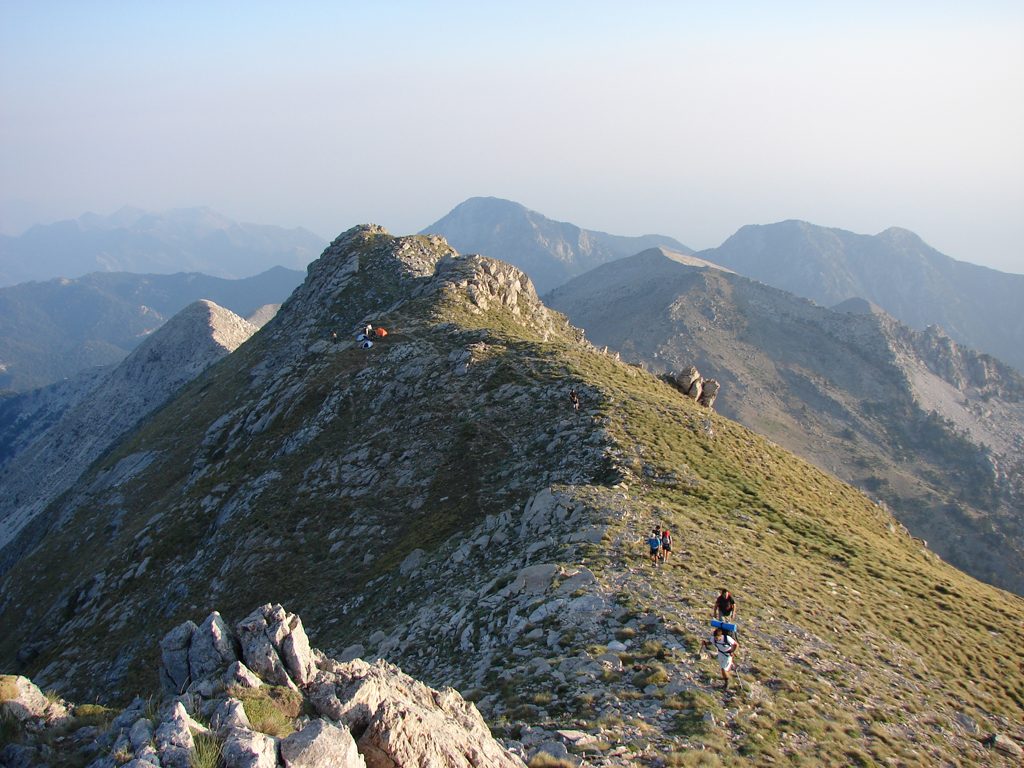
x=275, y=646
x=213, y=648
x=404, y=722
x=321, y=745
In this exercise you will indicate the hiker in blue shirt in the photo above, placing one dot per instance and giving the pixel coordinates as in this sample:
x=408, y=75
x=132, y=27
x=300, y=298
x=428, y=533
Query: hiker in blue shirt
x=654, y=542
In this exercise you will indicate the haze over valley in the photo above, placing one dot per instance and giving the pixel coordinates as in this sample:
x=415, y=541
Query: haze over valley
x=686, y=430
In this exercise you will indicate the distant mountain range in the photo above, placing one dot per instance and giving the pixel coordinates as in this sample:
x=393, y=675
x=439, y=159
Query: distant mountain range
x=895, y=269
x=550, y=252
x=133, y=240
x=54, y=329
x=914, y=419
x=52, y=435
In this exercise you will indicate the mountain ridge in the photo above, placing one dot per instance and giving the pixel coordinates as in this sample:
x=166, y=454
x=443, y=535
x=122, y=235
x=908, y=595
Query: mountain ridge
x=853, y=393
x=54, y=329
x=132, y=240
x=86, y=423
x=549, y=251
x=894, y=269
x=437, y=499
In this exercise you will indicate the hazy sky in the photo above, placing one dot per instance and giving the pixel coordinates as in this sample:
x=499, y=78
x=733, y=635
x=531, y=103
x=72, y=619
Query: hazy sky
x=683, y=118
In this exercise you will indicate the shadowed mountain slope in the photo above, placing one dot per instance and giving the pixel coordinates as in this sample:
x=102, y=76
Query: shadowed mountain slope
x=976, y=306
x=435, y=500
x=912, y=418
x=64, y=432
x=132, y=240
x=52, y=330
x=550, y=252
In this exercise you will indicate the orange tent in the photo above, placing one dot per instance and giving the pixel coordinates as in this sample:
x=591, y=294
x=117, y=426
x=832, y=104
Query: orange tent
x=381, y=332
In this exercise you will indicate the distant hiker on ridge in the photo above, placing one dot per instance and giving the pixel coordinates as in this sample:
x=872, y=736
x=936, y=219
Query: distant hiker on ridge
x=654, y=542
x=726, y=647
x=574, y=399
x=725, y=606
x=666, y=545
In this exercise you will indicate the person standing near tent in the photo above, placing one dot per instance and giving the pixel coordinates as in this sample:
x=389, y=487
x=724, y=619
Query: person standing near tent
x=368, y=331
x=726, y=647
x=725, y=606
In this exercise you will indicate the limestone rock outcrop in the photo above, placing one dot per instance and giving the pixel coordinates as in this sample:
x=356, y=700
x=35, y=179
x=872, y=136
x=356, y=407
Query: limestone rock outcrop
x=694, y=386
x=253, y=683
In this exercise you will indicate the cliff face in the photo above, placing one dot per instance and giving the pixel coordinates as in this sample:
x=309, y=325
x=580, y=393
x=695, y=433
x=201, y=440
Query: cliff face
x=71, y=426
x=436, y=501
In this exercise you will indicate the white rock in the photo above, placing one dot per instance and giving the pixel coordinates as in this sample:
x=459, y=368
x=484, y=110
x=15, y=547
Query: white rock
x=249, y=749
x=321, y=745
x=212, y=649
x=23, y=699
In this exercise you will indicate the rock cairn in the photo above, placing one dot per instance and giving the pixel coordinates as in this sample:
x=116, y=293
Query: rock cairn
x=220, y=684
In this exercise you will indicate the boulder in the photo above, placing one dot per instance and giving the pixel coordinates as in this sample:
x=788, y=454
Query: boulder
x=239, y=674
x=21, y=699
x=173, y=739
x=321, y=745
x=174, y=731
x=1006, y=745
x=296, y=653
x=140, y=734
x=249, y=749
x=255, y=634
x=688, y=382
x=404, y=722
x=213, y=649
x=228, y=716
x=709, y=393
x=174, y=668
x=403, y=734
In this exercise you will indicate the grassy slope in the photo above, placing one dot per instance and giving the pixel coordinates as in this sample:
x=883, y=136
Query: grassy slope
x=869, y=643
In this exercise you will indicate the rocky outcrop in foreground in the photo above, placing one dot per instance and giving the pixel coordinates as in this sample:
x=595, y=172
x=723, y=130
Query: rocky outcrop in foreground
x=257, y=696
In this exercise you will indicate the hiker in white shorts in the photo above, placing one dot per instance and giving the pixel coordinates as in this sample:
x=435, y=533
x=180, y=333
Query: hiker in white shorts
x=726, y=647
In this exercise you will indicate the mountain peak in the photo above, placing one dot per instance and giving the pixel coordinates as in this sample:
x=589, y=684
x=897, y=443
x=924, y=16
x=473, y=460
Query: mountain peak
x=367, y=274
x=550, y=252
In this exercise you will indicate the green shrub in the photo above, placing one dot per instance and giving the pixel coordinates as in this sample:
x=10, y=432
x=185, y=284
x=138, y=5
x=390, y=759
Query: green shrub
x=94, y=714
x=271, y=709
x=656, y=675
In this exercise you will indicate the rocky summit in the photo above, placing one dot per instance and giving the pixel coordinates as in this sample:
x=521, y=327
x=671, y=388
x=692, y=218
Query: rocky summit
x=432, y=498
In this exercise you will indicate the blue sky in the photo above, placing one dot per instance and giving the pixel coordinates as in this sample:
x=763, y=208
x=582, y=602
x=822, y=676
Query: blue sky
x=677, y=118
